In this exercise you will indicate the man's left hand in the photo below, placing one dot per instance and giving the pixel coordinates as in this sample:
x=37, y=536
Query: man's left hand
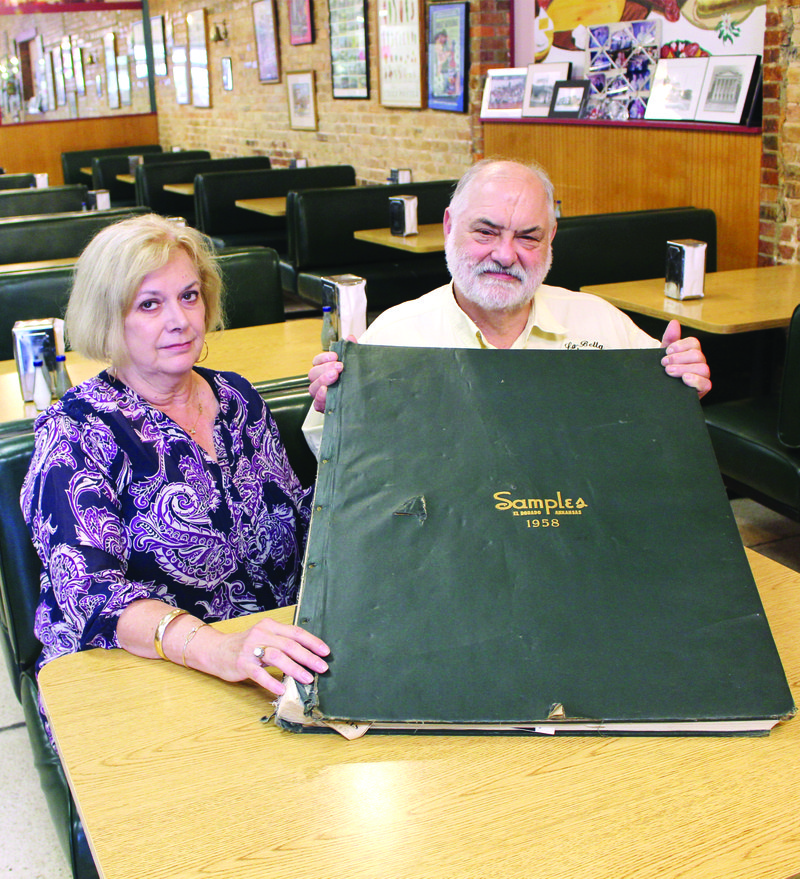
x=684, y=359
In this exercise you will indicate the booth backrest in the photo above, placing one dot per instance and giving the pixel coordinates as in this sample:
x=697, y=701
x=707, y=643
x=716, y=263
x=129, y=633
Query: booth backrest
x=74, y=160
x=289, y=401
x=150, y=180
x=216, y=193
x=54, y=236
x=28, y=295
x=626, y=246
x=106, y=168
x=47, y=200
x=321, y=223
x=17, y=181
x=252, y=284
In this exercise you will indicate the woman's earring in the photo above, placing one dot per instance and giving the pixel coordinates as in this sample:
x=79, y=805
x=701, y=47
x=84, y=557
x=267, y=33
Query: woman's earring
x=205, y=352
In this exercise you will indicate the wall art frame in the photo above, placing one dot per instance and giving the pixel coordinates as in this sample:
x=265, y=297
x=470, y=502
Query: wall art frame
x=727, y=88
x=503, y=93
x=124, y=81
x=539, y=84
x=199, y=80
x=77, y=64
x=180, y=74
x=58, y=77
x=110, y=56
x=265, y=23
x=302, y=99
x=301, y=22
x=227, y=74
x=349, y=43
x=158, y=38
x=400, y=68
x=447, y=56
x=569, y=99
x=676, y=88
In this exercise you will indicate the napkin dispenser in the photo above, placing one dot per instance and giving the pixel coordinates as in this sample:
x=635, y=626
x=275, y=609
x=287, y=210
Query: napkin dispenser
x=403, y=215
x=347, y=297
x=40, y=339
x=686, y=269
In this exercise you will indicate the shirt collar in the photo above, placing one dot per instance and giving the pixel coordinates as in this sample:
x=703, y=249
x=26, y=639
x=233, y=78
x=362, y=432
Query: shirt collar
x=539, y=317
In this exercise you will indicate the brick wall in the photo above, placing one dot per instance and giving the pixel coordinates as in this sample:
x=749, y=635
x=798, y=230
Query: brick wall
x=780, y=171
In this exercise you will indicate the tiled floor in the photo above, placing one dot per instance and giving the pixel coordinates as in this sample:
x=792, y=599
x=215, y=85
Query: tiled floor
x=28, y=845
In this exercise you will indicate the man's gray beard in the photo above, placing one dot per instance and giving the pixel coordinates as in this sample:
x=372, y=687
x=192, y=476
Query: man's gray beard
x=492, y=294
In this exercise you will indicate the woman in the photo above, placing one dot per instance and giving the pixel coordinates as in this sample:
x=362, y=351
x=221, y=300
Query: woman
x=159, y=496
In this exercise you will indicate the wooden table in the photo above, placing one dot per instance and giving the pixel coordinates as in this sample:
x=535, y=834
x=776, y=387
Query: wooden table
x=126, y=178
x=265, y=352
x=176, y=770
x=180, y=188
x=273, y=207
x=429, y=239
x=737, y=301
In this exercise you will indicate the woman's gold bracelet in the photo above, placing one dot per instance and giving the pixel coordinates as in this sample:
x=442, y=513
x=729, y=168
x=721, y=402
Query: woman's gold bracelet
x=162, y=627
x=188, y=638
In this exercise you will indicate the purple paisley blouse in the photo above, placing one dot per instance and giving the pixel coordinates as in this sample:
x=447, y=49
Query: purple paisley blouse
x=123, y=505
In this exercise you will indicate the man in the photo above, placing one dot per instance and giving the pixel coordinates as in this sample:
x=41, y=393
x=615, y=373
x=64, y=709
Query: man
x=498, y=232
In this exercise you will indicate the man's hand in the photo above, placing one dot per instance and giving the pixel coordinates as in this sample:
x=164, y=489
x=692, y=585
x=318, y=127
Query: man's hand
x=684, y=359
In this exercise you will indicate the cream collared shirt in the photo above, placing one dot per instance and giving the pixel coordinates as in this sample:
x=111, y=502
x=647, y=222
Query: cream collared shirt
x=559, y=319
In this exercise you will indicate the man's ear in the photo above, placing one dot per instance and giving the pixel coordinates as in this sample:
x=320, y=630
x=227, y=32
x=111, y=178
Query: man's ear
x=553, y=232
x=448, y=222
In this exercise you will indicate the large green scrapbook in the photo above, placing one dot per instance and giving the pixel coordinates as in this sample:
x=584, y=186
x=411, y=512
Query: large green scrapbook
x=527, y=542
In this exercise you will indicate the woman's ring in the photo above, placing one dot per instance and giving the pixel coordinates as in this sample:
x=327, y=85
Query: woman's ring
x=260, y=652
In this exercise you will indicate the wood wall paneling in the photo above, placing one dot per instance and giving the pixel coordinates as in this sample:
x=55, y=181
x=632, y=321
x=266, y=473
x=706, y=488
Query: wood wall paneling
x=36, y=147
x=599, y=169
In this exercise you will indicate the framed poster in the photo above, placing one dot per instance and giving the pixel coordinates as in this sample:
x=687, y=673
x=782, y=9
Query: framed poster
x=266, y=41
x=301, y=22
x=159, y=45
x=227, y=75
x=400, y=53
x=199, y=82
x=503, y=93
x=180, y=74
x=58, y=77
x=539, y=85
x=67, y=65
x=77, y=65
x=447, y=56
x=302, y=100
x=569, y=99
x=675, y=92
x=124, y=80
x=726, y=88
x=110, y=56
x=349, y=59
x=139, y=51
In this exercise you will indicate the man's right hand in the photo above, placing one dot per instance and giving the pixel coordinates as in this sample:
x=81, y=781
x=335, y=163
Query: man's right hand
x=324, y=371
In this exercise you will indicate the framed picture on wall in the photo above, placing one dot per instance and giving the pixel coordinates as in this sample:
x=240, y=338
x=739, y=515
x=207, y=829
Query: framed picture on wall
x=539, y=85
x=110, y=57
x=139, y=51
x=349, y=59
x=302, y=100
x=227, y=75
x=503, y=93
x=77, y=65
x=58, y=77
x=675, y=91
x=400, y=53
x=301, y=22
x=159, y=45
x=447, y=56
x=180, y=74
x=124, y=80
x=199, y=81
x=266, y=30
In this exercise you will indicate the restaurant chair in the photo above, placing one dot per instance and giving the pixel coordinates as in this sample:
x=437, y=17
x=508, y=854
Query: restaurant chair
x=757, y=440
x=17, y=181
x=252, y=283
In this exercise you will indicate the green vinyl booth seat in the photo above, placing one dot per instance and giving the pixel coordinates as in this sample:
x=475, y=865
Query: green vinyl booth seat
x=73, y=160
x=757, y=440
x=47, y=200
x=17, y=181
x=121, y=194
x=288, y=400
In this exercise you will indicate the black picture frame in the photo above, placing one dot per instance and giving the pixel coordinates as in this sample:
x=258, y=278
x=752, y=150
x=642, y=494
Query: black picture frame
x=447, y=56
x=569, y=99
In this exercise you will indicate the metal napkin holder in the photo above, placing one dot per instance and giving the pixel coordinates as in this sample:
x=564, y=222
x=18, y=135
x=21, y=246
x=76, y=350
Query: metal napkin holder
x=40, y=339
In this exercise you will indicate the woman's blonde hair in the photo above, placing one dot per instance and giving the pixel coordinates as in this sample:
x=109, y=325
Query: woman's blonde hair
x=110, y=272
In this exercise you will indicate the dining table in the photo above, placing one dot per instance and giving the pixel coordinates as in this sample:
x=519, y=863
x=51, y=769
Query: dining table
x=733, y=301
x=428, y=239
x=259, y=353
x=180, y=188
x=272, y=206
x=180, y=775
